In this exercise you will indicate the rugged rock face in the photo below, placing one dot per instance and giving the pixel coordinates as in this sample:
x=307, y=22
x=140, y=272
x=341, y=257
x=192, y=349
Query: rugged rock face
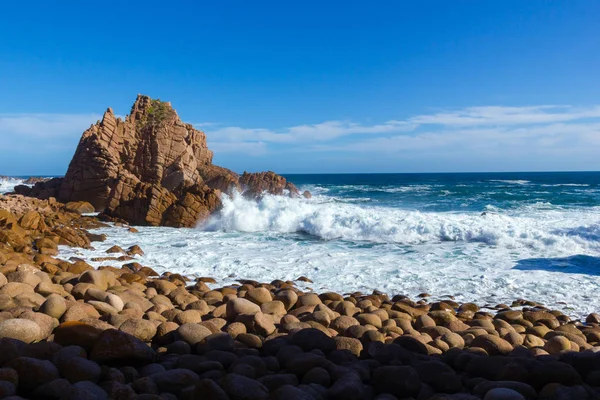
x=35, y=179
x=28, y=225
x=151, y=169
x=255, y=184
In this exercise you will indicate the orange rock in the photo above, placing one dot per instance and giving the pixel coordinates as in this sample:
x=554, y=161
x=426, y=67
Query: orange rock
x=76, y=333
x=150, y=169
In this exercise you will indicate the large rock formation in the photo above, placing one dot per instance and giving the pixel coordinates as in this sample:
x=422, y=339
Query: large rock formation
x=151, y=169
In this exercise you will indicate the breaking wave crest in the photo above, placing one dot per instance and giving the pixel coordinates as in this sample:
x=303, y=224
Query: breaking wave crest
x=532, y=228
x=8, y=184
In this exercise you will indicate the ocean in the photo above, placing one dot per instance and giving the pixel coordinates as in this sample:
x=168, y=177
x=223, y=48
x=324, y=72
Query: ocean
x=485, y=237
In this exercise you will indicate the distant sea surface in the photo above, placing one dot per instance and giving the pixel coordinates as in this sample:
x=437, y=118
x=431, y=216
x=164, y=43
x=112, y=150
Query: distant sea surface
x=484, y=237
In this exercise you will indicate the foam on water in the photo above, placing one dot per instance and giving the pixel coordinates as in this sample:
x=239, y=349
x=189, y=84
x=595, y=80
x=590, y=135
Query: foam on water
x=328, y=221
x=540, y=252
x=512, y=181
x=7, y=184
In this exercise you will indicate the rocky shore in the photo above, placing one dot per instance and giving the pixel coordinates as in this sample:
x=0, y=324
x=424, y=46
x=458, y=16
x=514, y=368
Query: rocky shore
x=69, y=331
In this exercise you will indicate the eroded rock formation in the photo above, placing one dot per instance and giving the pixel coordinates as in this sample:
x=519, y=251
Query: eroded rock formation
x=151, y=169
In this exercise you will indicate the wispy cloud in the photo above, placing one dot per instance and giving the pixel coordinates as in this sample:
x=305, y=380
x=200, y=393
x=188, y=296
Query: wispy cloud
x=503, y=116
x=491, y=132
x=45, y=125
x=324, y=131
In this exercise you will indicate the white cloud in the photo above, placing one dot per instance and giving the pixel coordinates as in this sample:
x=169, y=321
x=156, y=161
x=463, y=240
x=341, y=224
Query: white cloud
x=324, y=131
x=584, y=137
x=45, y=125
x=491, y=131
x=503, y=116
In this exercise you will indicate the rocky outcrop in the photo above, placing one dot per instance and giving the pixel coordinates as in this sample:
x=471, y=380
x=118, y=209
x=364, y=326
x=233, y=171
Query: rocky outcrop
x=151, y=169
x=266, y=182
x=30, y=226
x=32, y=180
x=41, y=190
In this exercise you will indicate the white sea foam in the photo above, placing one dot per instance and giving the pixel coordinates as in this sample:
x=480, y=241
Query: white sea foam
x=391, y=225
x=405, y=189
x=7, y=184
x=511, y=181
x=566, y=184
x=369, y=188
x=496, y=258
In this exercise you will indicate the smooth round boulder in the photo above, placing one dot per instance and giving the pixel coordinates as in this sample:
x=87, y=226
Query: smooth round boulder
x=142, y=329
x=353, y=345
x=311, y=339
x=79, y=369
x=115, y=347
x=259, y=295
x=369, y=319
x=492, y=344
x=174, y=380
x=45, y=322
x=557, y=344
x=503, y=394
x=33, y=372
x=192, y=334
x=24, y=330
x=115, y=301
x=241, y=387
x=343, y=322
x=7, y=389
x=238, y=306
x=288, y=297
x=188, y=316
x=400, y=381
x=76, y=333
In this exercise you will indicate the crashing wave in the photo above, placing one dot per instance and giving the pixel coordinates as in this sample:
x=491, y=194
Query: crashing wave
x=533, y=227
x=7, y=184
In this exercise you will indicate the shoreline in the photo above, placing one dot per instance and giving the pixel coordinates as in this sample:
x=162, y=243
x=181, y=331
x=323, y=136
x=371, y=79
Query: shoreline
x=270, y=339
x=229, y=276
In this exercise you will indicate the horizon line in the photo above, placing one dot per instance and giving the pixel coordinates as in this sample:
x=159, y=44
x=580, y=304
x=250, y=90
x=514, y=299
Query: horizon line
x=359, y=173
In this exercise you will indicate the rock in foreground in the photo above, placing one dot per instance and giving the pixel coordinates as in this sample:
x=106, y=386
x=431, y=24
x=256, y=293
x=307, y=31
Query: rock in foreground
x=68, y=331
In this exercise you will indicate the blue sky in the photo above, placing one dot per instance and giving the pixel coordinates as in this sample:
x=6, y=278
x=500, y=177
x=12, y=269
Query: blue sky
x=313, y=86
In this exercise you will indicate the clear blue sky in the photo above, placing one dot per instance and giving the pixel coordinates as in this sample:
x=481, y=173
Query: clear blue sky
x=313, y=86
